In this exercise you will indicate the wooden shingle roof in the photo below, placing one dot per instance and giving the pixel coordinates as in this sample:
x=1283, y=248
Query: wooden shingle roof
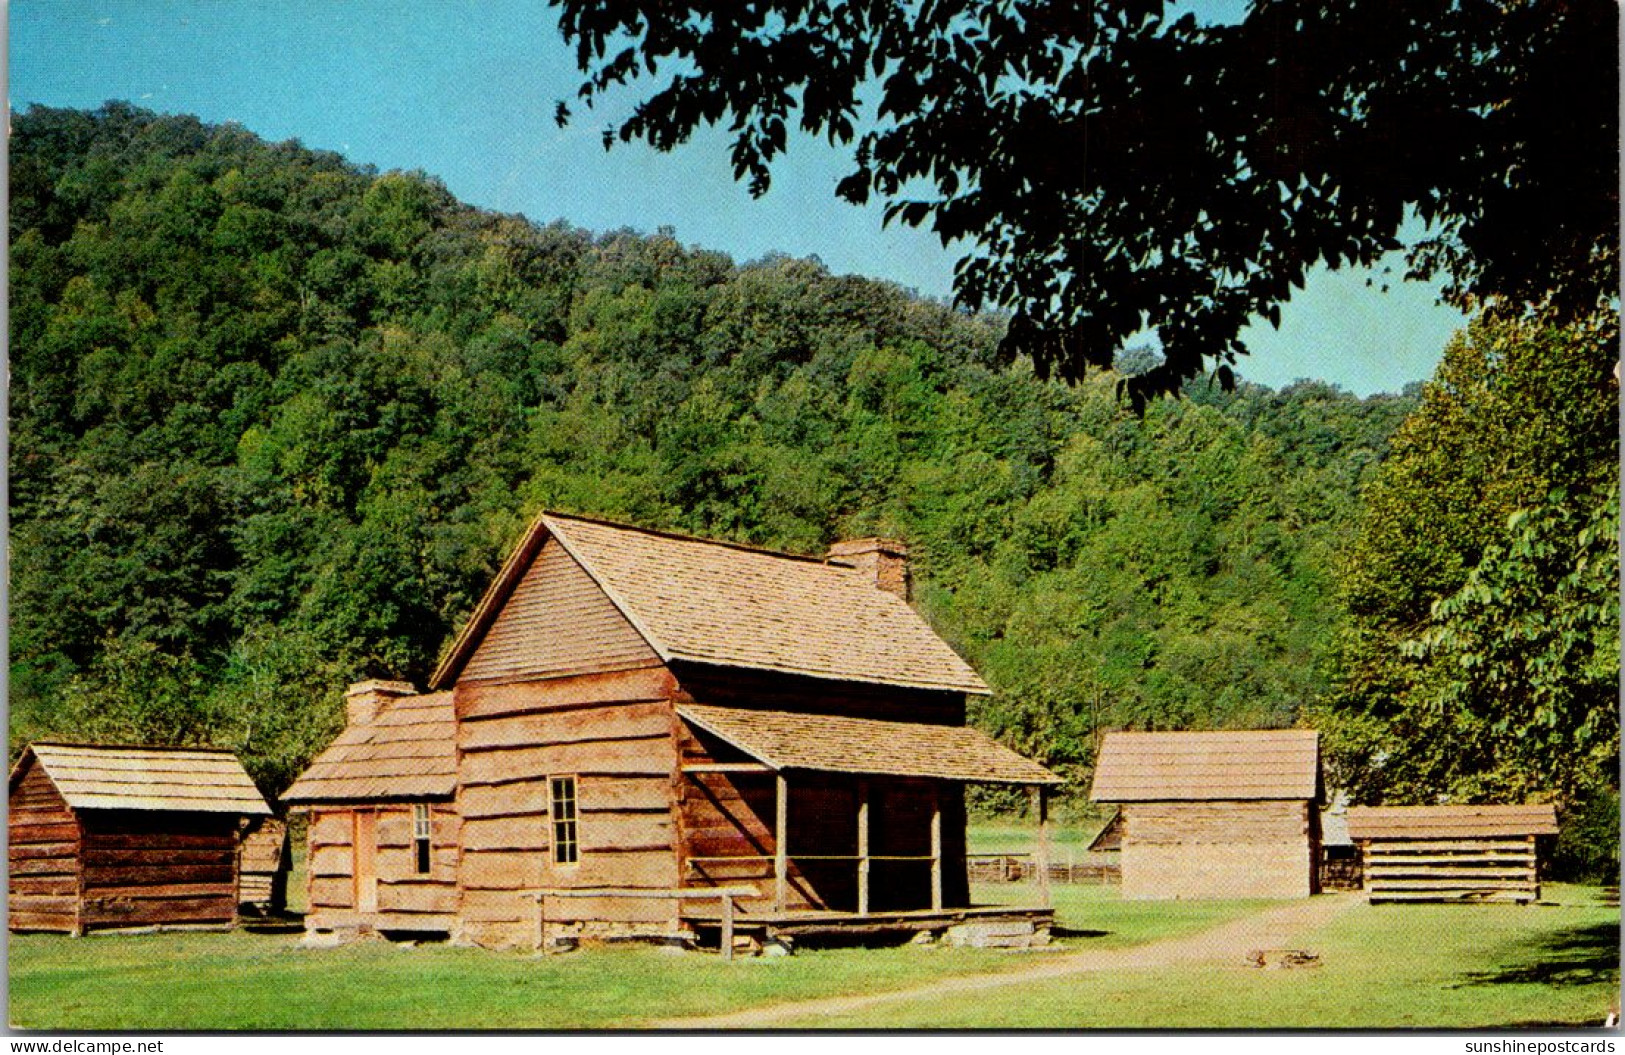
x=407, y=751
x=1261, y=764
x=831, y=744
x=1450, y=822
x=717, y=603
x=147, y=778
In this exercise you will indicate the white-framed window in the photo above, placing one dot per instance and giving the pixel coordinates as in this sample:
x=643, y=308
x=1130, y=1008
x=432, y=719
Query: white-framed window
x=422, y=838
x=562, y=808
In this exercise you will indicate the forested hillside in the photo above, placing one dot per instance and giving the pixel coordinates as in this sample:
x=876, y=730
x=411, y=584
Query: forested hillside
x=275, y=419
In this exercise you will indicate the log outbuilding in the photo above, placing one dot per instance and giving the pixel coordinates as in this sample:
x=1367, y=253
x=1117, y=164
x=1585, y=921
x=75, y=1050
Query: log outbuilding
x=262, y=866
x=1215, y=814
x=1451, y=853
x=645, y=722
x=104, y=837
x=383, y=825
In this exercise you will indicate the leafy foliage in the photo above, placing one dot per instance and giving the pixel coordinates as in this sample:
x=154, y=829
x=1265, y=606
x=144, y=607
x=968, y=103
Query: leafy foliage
x=1117, y=166
x=1481, y=660
x=276, y=419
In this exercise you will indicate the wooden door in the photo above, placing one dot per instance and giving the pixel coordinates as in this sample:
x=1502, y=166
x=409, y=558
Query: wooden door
x=365, y=872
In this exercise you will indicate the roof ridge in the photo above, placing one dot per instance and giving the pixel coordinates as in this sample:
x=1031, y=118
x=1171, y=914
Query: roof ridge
x=134, y=747
x=743, y=547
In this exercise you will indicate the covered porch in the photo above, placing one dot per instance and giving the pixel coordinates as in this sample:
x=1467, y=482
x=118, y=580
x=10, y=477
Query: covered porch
x=837, y=825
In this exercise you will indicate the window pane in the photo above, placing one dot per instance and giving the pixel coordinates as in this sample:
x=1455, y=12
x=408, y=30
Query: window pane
x=565, y=849
x=422, y=838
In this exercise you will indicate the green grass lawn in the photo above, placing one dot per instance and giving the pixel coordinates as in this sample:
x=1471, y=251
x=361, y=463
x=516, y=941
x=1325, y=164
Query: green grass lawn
x=1384, y=966
x=247, y=981
x=1014, y=837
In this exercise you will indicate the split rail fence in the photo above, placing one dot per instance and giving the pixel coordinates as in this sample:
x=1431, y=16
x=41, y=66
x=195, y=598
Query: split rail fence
x=1023, y=867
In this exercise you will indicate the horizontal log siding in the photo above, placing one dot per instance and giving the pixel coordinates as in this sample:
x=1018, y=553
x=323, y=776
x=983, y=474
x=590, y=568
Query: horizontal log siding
x=406, y=900
x=44, y=857
x=329, y=884
x=612, y=732
x=1219, y=849
x=147, y=868
x=556, y=621
x=1495, y=868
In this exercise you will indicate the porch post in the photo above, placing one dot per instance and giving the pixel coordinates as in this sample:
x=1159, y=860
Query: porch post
x=863, y=847
x=781, y=857
x=1040, y=797
x=936, y=846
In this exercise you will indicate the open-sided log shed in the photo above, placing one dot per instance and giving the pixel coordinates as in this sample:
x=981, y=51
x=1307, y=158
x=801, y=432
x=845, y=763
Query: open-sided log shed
x=1227, y=814
x=640, y=715
x=104, y=837
x=1451, y=853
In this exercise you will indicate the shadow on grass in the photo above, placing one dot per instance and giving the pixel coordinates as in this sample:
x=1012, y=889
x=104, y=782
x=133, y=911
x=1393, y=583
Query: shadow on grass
x=1576, y=956
x=1074, y=932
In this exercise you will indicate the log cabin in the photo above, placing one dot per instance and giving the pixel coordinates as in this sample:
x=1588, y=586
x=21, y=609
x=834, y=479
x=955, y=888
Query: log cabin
x=647, y=726
x=1215, y=814
x=117, y=837
x=262, y=866
x=382, y=826
x=1451, y=853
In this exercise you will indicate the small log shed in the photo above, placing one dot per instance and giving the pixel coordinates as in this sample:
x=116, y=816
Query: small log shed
x=383, y=824
x=1451, y=853
x=104, y=837
x=262, y=866
x=1215, y=814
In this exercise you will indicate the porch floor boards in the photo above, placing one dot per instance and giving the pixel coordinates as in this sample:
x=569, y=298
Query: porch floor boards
x=823, y=921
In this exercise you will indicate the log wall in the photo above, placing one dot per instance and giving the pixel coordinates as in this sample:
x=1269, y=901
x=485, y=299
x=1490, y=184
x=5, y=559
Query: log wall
x=1220, y=849
x=614, y=734
x=329, y=861
x=44, y=857
x=144, y=868
x=1490, y=868
x=407, y=901
x=262, y=864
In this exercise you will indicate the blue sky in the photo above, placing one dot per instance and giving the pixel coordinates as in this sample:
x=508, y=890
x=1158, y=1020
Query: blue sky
x=465, y=89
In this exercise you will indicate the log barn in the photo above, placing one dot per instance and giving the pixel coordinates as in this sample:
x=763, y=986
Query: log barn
x=262, y=866
x=104, y=837
x=1451, y=853
x=643, y=720
x=1215, y=814
x=382, y=821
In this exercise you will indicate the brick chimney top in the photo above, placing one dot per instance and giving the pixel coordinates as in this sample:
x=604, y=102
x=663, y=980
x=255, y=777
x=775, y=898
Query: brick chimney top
x=883, y=560
x=364, y=699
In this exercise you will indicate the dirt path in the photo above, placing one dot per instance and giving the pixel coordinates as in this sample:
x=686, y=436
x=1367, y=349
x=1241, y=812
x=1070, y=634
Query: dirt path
x=1272, y=928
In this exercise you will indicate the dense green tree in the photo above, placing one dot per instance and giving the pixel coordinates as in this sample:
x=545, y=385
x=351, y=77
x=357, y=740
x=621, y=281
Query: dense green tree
x=1120, y=165
x=1481, y=659
x=276, y=427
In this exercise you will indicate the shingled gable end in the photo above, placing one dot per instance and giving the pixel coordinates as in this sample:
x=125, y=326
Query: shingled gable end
x=634, y=711
x=1215, y=814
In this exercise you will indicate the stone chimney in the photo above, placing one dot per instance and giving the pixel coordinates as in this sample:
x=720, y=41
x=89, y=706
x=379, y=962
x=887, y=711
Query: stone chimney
x=364, y=699
x=883, y=560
